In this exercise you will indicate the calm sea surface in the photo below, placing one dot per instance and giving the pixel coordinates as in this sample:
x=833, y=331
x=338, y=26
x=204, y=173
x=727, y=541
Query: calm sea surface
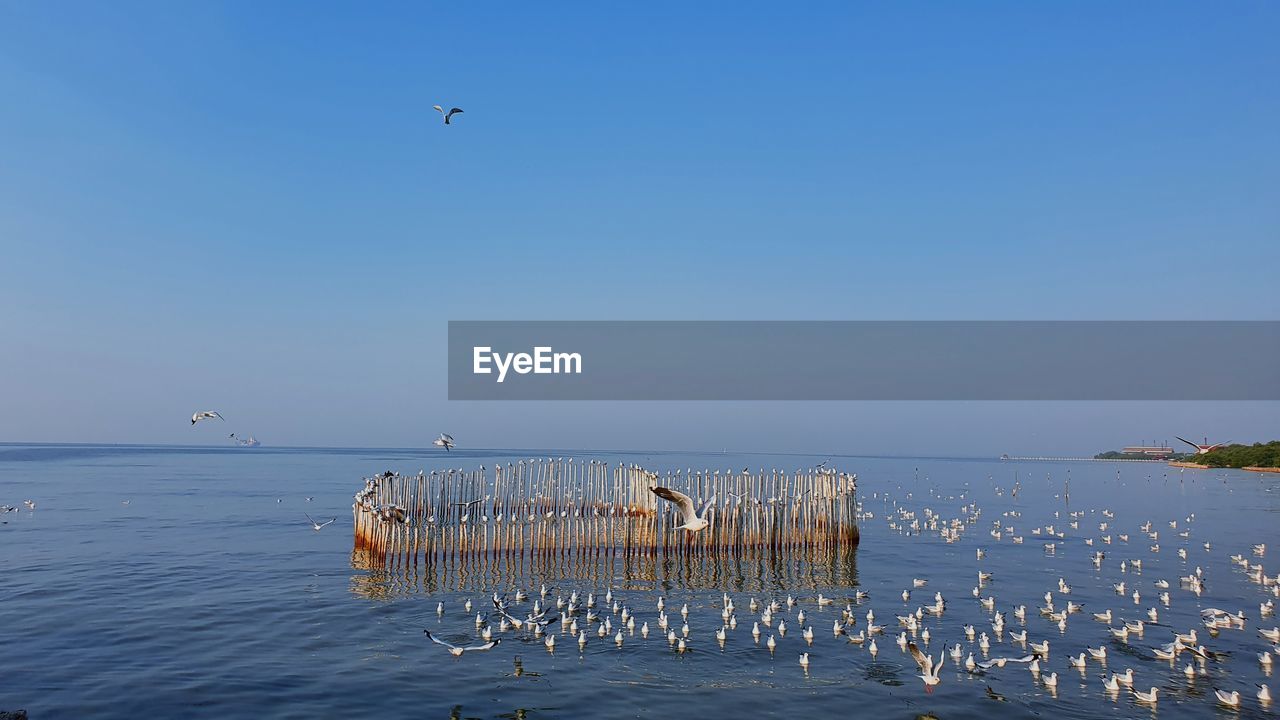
x=186, y=582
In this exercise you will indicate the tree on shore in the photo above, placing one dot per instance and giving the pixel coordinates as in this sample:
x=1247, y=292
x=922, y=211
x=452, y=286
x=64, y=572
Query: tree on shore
x=1238, y=456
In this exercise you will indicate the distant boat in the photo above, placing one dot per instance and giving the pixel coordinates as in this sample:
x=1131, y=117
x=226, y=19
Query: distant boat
x=250, y=441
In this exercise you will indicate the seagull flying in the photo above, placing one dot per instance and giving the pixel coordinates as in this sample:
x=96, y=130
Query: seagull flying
x=1002, y=661
x=447, y=115
x=319, y=526
x=445, y=441
x=456, y=650
x=206, y=415
x=931, y=674
x=688, y=513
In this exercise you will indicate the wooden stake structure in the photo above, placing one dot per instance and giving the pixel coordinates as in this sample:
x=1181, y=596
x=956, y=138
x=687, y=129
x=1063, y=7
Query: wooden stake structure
x=545, y=510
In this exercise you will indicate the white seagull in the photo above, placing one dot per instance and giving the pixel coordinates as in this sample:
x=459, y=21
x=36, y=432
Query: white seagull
x=1231, y=699
x=457, y=650
x=930, y=676
x=206, y=415
x=689, y=517
x=319, y=526
x=445, y=441
x=447, y=115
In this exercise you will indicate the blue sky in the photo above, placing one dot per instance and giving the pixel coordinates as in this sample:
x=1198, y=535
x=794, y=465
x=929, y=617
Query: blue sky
x=253, y=207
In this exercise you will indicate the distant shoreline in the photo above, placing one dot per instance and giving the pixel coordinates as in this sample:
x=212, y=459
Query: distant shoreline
x=1198, y=466
x=1076, y=459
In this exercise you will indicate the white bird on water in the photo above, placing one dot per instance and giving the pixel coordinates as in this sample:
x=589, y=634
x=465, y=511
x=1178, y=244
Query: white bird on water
x=1231, y=699
x=689, y=517
x=445, y=441
x=457, y=650
x=319, y=526
x=206, y=415
x=447, y=115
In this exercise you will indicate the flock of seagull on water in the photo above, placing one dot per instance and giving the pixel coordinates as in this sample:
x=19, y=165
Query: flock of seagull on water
x=579, y=615
x=6, y=509
x=1145, y=637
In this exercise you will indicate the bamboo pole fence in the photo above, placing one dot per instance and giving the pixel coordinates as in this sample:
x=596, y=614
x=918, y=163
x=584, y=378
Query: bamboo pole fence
x=545, y=509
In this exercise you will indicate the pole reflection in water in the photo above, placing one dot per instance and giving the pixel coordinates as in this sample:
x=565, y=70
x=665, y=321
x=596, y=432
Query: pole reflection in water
x=764, y=571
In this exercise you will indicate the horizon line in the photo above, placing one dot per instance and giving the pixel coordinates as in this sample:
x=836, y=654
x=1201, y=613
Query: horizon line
x=471, y=450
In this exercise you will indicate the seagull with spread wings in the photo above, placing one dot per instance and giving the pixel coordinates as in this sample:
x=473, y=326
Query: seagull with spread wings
x=445, y=441
x=1000, y=662
x=689, y=518
x=457, y=650
x=447, y=115
x=319, y=526
x=929, y=669
x=206, y=415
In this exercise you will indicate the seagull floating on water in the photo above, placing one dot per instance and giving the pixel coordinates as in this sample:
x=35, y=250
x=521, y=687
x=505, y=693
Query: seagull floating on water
x=1231, y=699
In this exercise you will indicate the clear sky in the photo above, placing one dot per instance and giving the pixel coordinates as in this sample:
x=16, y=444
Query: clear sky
x=252, y=206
